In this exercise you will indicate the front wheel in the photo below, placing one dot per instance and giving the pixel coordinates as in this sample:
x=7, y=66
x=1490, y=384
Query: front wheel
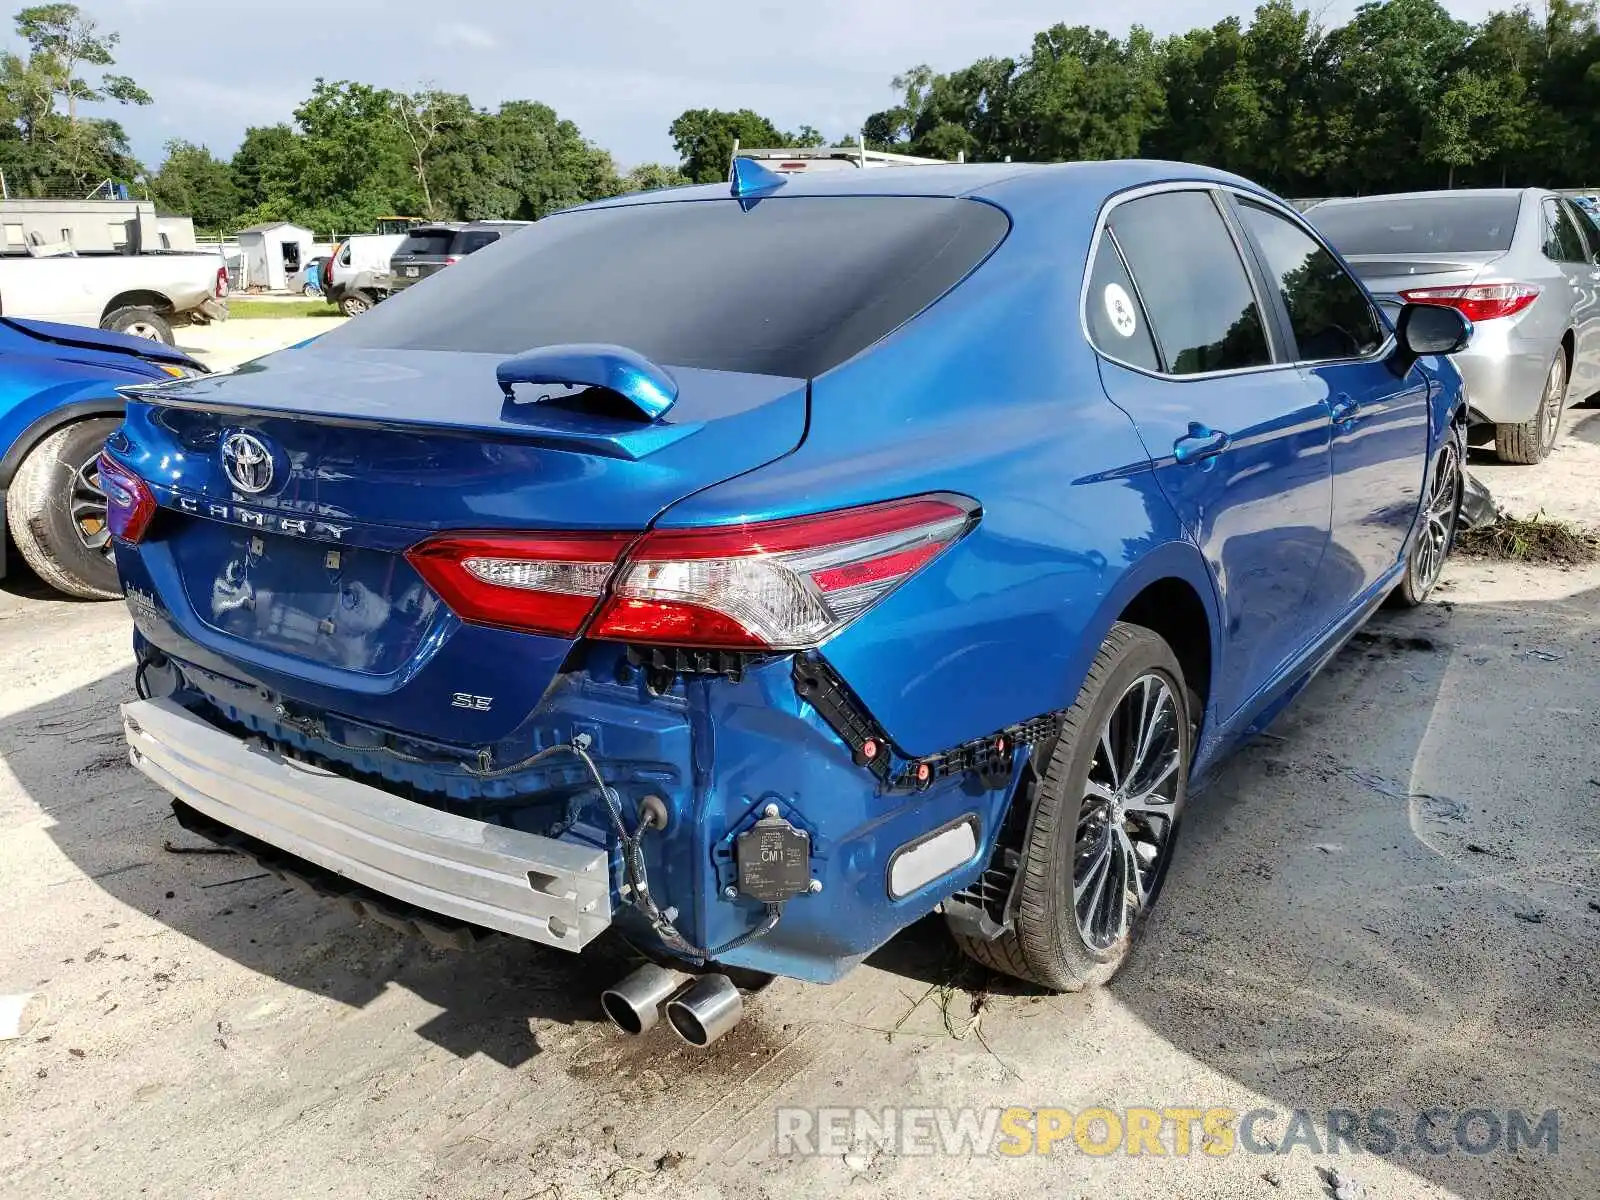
x=1104, y=821
x=56, y=511
x=1440, y=518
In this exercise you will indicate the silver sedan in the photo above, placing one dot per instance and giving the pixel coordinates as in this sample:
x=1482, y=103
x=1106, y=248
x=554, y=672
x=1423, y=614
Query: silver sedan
x=1523, y=264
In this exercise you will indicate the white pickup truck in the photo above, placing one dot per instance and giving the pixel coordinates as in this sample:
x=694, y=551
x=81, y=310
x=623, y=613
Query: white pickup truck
x=140, y=294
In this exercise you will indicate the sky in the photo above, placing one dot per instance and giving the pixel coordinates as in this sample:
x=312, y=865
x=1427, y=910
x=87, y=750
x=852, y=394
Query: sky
x=622, y=69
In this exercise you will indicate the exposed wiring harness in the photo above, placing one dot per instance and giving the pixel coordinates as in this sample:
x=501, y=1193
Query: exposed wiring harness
x=632, y=844
x=638, y=882
x=637, y=892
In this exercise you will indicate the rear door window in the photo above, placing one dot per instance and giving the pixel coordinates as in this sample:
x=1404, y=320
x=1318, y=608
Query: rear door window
x=1588, y=226
x=786, y=286
x=1562, y=241
x=1192, y=282
x=1329, y=312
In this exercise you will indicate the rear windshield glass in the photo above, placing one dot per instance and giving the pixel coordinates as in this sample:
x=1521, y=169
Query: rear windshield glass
x=426, y=243
x=1448, y=224
x=788, y=287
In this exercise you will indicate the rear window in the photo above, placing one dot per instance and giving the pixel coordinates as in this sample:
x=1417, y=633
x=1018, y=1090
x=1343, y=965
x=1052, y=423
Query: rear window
x=1421, y=225
x=474, y=239
x=786, y=287
x=426, y=243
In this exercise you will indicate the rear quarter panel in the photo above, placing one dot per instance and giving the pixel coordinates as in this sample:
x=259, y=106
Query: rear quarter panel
x=992, y=393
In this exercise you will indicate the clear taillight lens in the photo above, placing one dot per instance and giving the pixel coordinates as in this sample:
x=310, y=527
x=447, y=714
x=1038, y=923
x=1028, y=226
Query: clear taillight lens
x=542, y=583
x=1478, y=301
x=130, y=504
x=784, y=585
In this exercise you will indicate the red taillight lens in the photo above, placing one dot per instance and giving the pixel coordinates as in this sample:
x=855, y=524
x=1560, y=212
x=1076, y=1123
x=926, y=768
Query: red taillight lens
x=783, y=585
x=1478, y=301
x=222, y=283
x=130, y=504
x=542, y=583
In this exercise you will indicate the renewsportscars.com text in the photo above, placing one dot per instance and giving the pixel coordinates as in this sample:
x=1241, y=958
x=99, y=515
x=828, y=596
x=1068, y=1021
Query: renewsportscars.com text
x=1175, y=1130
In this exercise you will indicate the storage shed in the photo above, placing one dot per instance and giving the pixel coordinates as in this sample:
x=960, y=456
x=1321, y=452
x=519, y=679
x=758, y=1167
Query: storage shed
x=274, y=254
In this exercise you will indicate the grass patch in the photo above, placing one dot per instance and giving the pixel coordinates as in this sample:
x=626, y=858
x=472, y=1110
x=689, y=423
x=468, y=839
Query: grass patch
x=253, y=310
x=1536, y=539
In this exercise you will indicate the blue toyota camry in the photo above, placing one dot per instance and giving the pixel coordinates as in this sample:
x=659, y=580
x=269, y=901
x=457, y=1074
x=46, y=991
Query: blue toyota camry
x=758, y=568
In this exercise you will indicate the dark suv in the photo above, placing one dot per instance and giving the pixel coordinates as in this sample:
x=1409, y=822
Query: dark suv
x=430, y=248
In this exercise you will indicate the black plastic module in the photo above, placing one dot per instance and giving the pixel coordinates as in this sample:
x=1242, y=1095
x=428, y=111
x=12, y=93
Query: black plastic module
x=774, y=860
x=663, y=664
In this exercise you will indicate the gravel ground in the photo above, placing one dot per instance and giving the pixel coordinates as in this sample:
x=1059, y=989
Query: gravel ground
x=229, y=343
x=1392, y=901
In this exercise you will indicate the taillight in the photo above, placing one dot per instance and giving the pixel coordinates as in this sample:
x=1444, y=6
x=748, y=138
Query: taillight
x=542, y=583
x=130, y=504
x=783, y=585
x=451, y=259
x=1478, y=301
x=222, y=283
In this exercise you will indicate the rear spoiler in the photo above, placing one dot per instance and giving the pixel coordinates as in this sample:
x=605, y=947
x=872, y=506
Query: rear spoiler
x=593, y=397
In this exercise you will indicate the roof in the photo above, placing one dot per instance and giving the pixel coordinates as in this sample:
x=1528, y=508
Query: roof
x=1009, y=185
x=270, y=225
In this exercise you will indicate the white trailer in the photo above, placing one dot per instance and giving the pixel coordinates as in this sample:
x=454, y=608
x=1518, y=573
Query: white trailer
x=810, y=159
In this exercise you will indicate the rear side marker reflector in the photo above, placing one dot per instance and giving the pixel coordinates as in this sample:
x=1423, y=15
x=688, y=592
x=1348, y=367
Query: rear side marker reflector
x=773, y=585
x=130, y=504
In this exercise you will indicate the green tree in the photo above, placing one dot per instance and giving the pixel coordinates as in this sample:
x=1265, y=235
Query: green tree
x=197, y=185
x=54, y=147
x=704, y=139
x=1083, y=94
x=425, y=117
x=262, y=169
x=647, y=177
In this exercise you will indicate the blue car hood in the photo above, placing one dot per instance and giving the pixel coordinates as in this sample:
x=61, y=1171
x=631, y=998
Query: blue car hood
x=84, y=337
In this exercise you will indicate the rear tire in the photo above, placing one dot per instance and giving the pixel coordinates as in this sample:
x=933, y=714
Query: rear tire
x=144, y=323
x=1084, y=856
x=355, y=303
x=1531, y=441
x=53, y=516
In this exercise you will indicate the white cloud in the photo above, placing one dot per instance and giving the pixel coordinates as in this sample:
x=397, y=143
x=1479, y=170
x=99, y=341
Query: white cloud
x=459, y=33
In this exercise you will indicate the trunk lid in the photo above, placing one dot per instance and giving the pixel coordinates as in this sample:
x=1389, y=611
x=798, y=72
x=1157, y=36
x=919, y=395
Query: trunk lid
x=303, y=580
x=1387, y=275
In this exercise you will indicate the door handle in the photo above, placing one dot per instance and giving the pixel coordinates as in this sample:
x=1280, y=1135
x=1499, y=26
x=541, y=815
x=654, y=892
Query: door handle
x=1201, y=442
x=1344, y=409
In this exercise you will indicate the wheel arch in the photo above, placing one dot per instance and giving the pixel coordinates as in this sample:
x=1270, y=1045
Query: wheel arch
x=43, y=427
x=138, y=298
x=1170, y=592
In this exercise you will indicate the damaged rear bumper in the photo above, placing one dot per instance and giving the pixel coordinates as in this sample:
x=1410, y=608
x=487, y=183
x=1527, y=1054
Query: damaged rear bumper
x=539, y=888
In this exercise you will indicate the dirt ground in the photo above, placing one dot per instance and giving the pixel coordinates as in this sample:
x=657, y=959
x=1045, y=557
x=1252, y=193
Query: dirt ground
x=1391, y=901
x=229, y=343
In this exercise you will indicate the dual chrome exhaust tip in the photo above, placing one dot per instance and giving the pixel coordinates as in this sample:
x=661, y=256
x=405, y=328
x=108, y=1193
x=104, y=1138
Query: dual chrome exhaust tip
x=700, y=1011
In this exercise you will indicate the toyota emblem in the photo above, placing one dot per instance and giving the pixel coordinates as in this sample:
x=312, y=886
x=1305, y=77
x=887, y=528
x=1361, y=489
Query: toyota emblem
x=247, y=462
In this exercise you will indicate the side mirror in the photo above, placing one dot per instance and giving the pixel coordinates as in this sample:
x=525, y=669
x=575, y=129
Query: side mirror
x=1429, y=329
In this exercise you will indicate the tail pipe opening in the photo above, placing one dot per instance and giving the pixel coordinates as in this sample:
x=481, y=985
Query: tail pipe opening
x=634, y=1003
x=705, y=1010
